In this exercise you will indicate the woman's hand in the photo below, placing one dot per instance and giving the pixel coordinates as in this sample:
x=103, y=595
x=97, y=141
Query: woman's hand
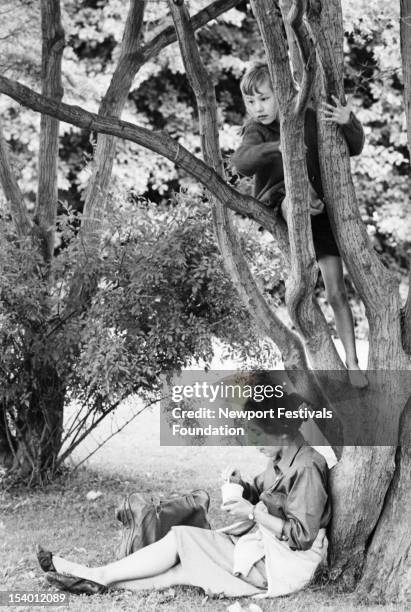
x=238, y=508
x=260, y=508
x=339, y=114
x=231, y=474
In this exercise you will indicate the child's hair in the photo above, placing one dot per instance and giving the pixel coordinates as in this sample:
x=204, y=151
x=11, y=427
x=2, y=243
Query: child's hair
x=256, y=75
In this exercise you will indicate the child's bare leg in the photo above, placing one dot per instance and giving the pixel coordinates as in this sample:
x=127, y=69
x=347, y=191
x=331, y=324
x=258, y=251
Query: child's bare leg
x=284, y=208
x=149, y=561
x=332, y=273
x=172, y=577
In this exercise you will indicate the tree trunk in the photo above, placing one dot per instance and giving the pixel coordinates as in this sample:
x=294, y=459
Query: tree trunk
x=387, y=570
x=52, y=53
x=38, y=427
x=405, y=35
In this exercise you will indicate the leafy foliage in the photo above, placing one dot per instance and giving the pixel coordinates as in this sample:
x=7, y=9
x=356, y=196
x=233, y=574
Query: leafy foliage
x=162, y=296
x=161, y=291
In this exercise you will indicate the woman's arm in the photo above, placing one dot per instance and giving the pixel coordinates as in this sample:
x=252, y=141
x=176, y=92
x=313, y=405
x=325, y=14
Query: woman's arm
x=272, y=523
x=304, y=507
x=251, y=490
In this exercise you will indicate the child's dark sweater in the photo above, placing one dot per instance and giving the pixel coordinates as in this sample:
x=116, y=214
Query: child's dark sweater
x=258, y=155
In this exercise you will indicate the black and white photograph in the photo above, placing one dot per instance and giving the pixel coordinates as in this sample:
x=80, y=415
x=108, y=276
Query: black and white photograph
x=205, y=305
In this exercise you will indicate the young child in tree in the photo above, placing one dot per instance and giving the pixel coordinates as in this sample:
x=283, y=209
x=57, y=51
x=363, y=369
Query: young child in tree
x=259, y=155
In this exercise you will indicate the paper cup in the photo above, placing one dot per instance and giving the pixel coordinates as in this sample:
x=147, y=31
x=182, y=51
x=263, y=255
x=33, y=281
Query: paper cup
x=230, y=491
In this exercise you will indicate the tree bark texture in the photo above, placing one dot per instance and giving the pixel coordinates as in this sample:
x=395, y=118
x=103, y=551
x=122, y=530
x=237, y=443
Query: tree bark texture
x=360, y=480
x=112, y=104
x=267, y=322
x=375, y=285
x=39, y=426
x=301, y=283
x=51, y=57
x=405, y=36
x=168, y=35
x=387, y=571
x=12, y=191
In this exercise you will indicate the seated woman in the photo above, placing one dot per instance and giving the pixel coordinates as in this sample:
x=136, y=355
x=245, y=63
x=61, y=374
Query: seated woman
x=289, y=505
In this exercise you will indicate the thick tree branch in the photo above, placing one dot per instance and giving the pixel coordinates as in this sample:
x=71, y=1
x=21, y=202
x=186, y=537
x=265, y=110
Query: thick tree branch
x=293, y=47
x=168, y=35
x=12, y=191
x=304, y=311
x=112, y=104
x=405, y=36
x=376, y=286
x=267, y=322
x=158, y=141
x=52, y=53
x=307, y=52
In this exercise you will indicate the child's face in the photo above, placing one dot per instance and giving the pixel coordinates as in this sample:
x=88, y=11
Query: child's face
x=262, y=105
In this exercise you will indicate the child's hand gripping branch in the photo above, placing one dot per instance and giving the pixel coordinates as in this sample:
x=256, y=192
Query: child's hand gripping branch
x=338, y=114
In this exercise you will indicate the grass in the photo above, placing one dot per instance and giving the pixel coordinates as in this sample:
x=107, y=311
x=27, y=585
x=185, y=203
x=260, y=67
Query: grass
x=61, y=517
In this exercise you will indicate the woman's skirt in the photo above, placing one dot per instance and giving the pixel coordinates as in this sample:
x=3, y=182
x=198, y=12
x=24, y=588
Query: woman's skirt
x=207, y=558
x=213, y=561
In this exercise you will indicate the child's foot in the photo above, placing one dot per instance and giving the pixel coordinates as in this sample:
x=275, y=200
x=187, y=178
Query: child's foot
x=357, y=377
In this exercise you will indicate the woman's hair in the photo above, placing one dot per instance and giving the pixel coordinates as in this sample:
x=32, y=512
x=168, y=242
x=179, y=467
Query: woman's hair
x=280, y=424
x=256, y=75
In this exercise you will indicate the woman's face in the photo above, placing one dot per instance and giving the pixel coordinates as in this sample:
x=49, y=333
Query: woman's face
x=276, y=446
x=267, y=443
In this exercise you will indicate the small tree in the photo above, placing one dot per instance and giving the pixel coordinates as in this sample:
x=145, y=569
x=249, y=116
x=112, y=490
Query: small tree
x=370, y=485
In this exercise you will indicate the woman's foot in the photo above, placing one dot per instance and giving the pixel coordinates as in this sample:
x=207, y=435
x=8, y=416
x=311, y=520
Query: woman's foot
x=357, y=377
x=45, y=559
x=74, y=584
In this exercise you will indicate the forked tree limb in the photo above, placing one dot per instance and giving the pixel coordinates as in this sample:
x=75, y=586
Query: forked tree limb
x=267, y=322
x=158, y=141
x=112, y=104
x=134, y=53
x=304, y=311
x=168, y=35
x=375, y=284
x=51, y=85
x=12, y=191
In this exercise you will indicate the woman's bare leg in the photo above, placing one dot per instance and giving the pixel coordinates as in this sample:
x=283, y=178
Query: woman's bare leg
x=149, y=561
x=172, y=577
